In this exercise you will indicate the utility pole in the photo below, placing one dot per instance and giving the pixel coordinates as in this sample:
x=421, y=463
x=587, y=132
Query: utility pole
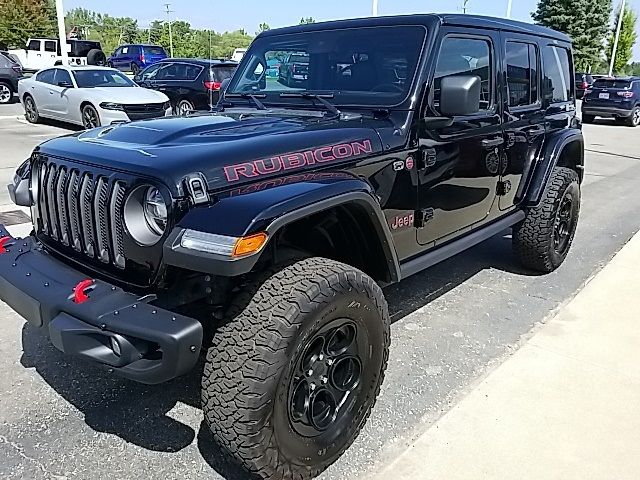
x=615, y=42
x=169, y=12
x=375, y=8
x=464, y=6
x=509, y=5
x=62, y=33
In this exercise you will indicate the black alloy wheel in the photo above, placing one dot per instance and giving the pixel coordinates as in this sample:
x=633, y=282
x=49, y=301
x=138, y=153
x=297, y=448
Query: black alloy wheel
x=90, y=117
x=30, y=110
x=564, y=224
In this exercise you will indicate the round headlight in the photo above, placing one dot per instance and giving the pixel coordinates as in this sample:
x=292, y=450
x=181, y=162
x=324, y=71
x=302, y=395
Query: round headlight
x=155, y=210
x=145, y=215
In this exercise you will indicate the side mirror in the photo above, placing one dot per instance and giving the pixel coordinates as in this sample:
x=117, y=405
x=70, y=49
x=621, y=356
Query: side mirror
x=65, y=84
x=460, y=95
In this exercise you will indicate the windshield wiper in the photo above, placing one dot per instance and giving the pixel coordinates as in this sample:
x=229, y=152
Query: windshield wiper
x=253, y=97
x=314, y=96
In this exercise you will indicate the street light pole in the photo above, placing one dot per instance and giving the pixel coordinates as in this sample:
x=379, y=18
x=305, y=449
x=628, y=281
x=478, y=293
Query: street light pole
x=167, y=5
x=62, y=33
x=374, y=8
x=615, y=42
x=509, y=5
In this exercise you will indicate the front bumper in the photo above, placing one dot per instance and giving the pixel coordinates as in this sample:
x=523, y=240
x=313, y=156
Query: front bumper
x=114, y=328
x=607, y=112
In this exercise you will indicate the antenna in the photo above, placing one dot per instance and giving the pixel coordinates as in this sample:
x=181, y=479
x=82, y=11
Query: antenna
x=169, y=12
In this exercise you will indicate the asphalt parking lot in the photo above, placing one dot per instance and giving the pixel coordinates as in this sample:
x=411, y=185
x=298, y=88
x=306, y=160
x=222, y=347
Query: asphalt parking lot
x=63, y=419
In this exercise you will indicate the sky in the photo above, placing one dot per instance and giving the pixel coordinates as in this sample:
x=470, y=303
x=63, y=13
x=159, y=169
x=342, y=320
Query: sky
x=248, y=14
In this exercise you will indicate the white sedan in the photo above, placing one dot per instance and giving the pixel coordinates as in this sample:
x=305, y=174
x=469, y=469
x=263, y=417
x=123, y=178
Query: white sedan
x=88, y=96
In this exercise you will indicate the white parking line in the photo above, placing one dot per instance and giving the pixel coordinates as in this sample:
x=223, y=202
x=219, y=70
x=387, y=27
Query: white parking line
x=10, y=117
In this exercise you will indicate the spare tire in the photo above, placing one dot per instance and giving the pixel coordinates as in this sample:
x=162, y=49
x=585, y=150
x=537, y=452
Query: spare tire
x=96, y=57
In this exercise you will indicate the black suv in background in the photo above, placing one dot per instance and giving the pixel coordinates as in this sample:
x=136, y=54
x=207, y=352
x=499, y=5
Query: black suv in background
x=190, y=84
x=10, y=73
x=617, y=98
x=265, y=231
x=583, y=82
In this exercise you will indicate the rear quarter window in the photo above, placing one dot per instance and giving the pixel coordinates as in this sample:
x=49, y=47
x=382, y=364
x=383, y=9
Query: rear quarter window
x=154, y=51
x=558, y=82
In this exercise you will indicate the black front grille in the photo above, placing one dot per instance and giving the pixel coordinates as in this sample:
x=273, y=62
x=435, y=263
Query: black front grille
x=81, y=210
x=144, y=108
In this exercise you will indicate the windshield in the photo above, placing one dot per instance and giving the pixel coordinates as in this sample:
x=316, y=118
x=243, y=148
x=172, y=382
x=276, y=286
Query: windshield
x=359, y=66
x=101, y=78
x=611, y=83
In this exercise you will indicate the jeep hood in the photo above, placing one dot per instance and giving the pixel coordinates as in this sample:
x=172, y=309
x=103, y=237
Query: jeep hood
x=227, y=150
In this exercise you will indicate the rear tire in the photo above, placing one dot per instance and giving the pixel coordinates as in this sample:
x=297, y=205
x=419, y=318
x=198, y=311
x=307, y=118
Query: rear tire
x=6, y=94
x=184, y=106
x=135, y=69
x=588, y=118
x=542, y=241
x=96, y=57
x=633, y=120
x=260, y=395
x=31, y=110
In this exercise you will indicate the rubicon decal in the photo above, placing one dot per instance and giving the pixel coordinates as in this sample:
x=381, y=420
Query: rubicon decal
x=295, y=160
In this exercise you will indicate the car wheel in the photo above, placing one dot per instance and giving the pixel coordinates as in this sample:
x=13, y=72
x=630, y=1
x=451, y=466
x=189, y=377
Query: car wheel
x=135, y=69
x=634, y=119
x=6, y=94
x=184, y=106
x=90, y=117
x=109, y=64
x=293, y=373
x=30, y=110
x=542, y=240
x=588, y=118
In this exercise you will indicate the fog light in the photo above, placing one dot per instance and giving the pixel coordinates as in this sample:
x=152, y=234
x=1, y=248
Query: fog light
x=115, y=346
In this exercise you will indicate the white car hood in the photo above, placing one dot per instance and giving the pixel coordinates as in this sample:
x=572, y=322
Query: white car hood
x=128, y=95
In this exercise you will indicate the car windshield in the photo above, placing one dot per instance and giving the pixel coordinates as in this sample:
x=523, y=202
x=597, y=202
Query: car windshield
x=101, y=78
x=357, y=66
x=611, y=83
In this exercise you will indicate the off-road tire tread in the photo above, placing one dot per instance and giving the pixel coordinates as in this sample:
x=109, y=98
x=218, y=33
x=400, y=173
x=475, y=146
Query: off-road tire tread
x=249, y=351
x=532, y=237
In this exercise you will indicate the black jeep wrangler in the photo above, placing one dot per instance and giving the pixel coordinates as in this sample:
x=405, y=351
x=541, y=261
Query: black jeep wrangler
x=264, y=232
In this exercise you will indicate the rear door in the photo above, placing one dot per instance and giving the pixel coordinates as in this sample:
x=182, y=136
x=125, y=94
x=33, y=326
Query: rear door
x=460, y=166
x=115, y=58
x=523, y=118
x=50, y=53
x=41, y=91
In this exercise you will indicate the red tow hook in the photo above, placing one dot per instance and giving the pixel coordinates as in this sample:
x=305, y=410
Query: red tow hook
x=79, y=291
x=3, y=244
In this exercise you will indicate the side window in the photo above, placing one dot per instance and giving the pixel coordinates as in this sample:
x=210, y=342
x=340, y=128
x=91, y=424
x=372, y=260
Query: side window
x=125, y=50
x=62, y=76
x=50, y=46
x=522, y=74
x=117, y=52
x=465, y=56
x=558, y=86
x=151, y=72
x=34, y=45
x=46, y=76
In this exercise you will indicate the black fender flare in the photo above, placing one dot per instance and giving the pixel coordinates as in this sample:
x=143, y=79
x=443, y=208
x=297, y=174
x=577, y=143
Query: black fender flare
x=268, y=207
x=548, y=159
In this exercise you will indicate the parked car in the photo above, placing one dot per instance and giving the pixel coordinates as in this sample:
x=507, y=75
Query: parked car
x=238, y=53
x=134, y=58
x=10, y=73
x=583, y=82
x=42, y=53
x=294, y=71
x=617, y=98
x=88, y=96
x=265, y=233
x=191, y=84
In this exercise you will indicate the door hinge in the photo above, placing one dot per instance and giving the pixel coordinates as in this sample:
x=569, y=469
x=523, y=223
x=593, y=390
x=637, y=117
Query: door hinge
x=423, y=216
x=428, y=158
x=503, y=188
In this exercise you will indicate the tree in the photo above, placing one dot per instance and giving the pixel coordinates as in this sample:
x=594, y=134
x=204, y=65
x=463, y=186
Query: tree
x=21, y=19
x=626, y=41
x=305, y=21
x=263, y=27
x=586, y=22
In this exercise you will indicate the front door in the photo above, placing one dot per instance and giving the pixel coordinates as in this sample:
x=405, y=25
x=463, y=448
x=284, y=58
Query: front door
x=524, y=116
x=460, y=164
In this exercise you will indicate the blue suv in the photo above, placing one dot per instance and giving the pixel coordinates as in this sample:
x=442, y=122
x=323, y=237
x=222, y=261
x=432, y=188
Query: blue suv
x=617, y=98
x=133, y=58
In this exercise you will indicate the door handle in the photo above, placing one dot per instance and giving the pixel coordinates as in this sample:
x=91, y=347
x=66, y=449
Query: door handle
x=535, y=131
x=492, y=142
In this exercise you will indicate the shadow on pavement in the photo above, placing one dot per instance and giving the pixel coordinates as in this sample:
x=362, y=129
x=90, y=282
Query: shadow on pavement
x=138, y=413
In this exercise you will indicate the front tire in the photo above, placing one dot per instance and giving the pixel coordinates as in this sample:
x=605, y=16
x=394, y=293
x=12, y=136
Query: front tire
x=31, y=110
x=542, y=241
x=312, y=335
x=135, y=69
x=90, y=117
